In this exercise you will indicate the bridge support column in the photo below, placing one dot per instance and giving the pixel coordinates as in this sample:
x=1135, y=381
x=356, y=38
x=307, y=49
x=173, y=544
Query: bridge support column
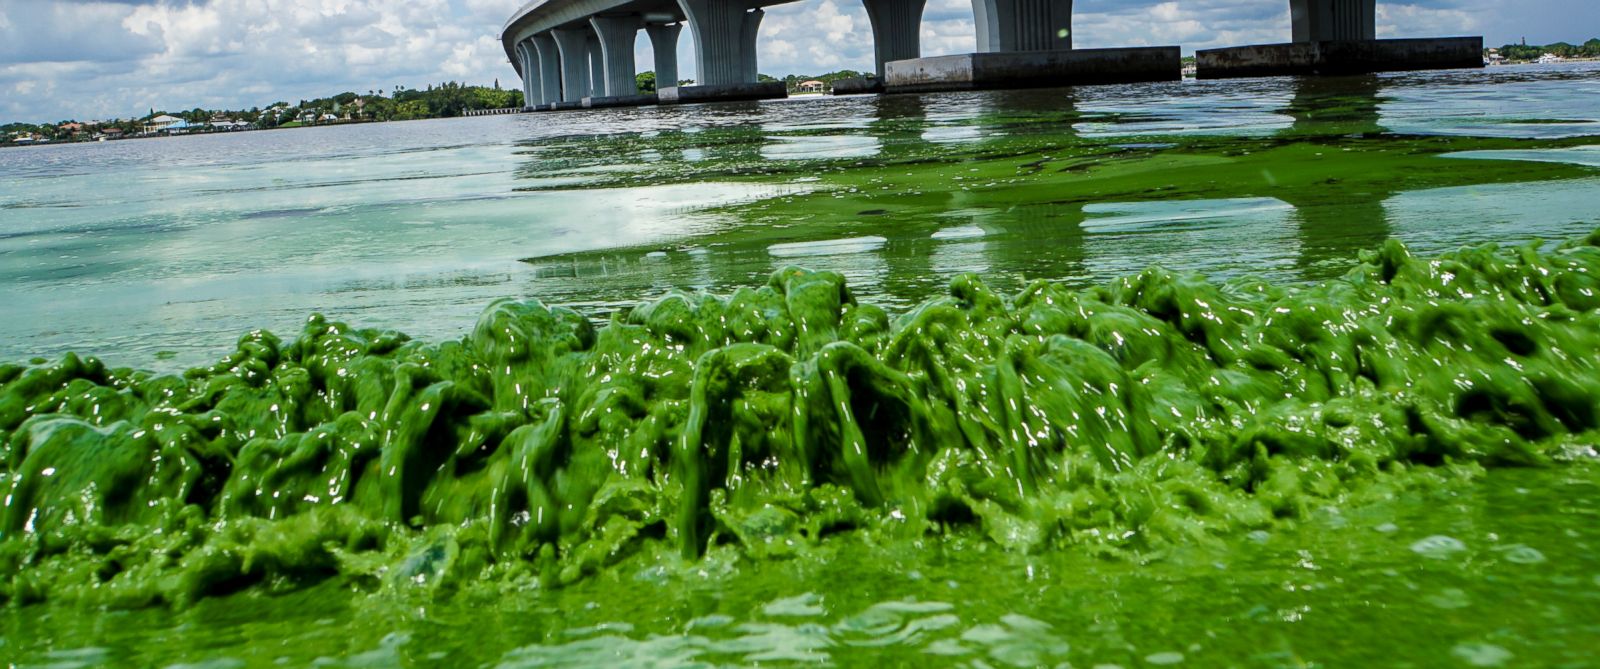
x=724, y=39
x=664, y=42
x=532, y=87
x=747, y=45
x=573, y=44
x=548, y=58
x=725, y=54
x=896, y=29
x=1325, y=20
x=527, y=74
x=617, y=35
x=1023, y=25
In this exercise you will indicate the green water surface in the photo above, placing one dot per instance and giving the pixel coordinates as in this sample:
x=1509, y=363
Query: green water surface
x=977, y=431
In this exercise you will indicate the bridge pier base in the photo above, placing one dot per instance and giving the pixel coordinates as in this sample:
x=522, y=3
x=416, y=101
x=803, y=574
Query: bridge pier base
x=573, y=44
x=664, y=43
x=548, y=57
x=896, y=27
x=604, y=102
x=1337, y=37
x=1339, y=57
x=1033, y=69
x=1028, y=44
x=679, y=95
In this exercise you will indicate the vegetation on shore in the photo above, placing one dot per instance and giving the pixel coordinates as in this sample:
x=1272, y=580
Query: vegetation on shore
x=1525, y=51
x=402, y=104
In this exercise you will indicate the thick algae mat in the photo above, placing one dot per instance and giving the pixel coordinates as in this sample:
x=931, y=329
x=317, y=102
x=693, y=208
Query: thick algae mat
x=1152, y=414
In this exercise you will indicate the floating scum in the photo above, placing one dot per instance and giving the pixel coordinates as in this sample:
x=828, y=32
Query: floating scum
x=1158, y=410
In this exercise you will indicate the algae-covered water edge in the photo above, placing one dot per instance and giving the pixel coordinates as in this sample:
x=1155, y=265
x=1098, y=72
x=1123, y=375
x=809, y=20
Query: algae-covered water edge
x=870, y=382
x=1339, y=589
x=1162, y=439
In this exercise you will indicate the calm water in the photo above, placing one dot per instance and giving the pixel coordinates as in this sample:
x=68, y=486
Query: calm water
x=159, y=253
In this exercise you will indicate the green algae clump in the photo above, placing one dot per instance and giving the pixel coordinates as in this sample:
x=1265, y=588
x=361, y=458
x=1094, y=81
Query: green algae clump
x=1156, y=411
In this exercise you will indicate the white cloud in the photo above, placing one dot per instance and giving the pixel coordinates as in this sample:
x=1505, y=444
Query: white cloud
x=1407, y=20
x=123, y=59
x=814, y=37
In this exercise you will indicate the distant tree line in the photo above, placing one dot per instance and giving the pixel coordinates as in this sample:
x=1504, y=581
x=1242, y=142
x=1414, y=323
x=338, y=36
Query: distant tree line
x=1589, y=49
x=793, y=81
x=440, y=100
x=646, y=82
x=401, y=104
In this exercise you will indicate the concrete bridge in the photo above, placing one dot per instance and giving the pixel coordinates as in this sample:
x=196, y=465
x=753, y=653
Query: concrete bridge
x=580, y=53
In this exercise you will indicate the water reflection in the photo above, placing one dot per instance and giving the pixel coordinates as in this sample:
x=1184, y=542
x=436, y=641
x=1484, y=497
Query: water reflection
x=942, y=184
x=797, y=629
x=418, y=225
x=1335, y=222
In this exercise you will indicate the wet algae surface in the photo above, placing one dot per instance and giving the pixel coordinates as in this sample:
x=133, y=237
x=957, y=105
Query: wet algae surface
x=1145, y=420
x=906, y=411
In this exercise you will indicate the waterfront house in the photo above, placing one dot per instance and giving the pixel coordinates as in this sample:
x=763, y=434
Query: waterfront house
x=812, y=86
x=164, y=123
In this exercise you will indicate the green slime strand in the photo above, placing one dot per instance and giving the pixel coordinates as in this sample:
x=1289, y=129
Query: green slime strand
x=1154, y=411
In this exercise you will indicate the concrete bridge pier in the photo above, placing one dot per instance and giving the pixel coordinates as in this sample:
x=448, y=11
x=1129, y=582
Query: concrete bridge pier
x=747, y=48
x=1337, y=37
x=719, y=44
x=1023, y=25
x=664, y=43
x=534, y=95
x=1325, y=20
x=725, y=53
x=1028, y=44
x=617, y=35
x=896, y=29
x=548, y=57
x=573, y=45
x=530, y=74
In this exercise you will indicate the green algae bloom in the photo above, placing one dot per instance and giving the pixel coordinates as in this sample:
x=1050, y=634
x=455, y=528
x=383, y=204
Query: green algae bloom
x=1159, y=410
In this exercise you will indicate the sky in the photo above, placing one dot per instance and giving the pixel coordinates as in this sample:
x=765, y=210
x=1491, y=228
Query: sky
x=101, y=59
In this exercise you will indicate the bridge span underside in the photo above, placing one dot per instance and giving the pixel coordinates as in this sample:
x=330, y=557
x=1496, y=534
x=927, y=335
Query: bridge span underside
x=580, y=53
